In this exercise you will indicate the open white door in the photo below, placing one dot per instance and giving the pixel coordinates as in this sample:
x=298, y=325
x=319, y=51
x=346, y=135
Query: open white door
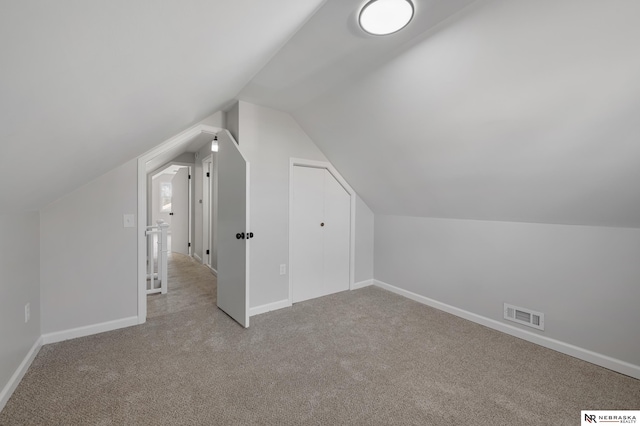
x=233, y=230
x=180, y=212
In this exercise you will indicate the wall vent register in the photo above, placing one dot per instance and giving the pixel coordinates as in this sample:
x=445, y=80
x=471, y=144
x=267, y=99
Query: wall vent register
x=524, y=316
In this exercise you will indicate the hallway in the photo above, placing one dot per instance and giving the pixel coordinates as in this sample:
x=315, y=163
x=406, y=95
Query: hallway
x=191, y=285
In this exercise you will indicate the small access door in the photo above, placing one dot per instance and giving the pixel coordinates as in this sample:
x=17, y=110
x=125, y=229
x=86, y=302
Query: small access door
x=233, y=230
x=180, y=212
x=321, y=234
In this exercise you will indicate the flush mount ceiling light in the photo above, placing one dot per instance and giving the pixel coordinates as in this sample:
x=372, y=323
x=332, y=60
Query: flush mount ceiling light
x=214, y=144
x=382, y=17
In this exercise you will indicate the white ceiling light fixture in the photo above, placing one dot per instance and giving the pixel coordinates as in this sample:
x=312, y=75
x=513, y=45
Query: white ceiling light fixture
x=382, y=17
x=214, y=144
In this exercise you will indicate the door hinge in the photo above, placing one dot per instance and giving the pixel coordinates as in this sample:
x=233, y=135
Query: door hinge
x=189, y=176
x=207, y=251
x=189, y=245
x=208, y=174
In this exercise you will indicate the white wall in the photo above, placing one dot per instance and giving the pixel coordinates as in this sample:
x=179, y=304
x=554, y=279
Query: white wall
x=19, y=284
x=269, y=139
x=585, y=279
x=217, y=119
x=185, y=157
x=364, y=242
x=88, y=258
x=233, y=121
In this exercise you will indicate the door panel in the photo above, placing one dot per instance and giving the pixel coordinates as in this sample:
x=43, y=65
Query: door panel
x=337, y=235
x=233, y=218
x=180, y=209
x=307, y=251
x=321, y=228
x=206, y=212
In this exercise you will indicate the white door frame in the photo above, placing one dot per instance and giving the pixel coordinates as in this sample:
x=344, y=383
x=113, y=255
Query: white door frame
x=206, y=210
x=151, y=174
x=155, y=172
x=181, y=139
x=190, y=191
x=293, y=162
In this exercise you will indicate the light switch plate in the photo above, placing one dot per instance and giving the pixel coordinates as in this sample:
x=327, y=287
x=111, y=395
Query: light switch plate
x=129, y=221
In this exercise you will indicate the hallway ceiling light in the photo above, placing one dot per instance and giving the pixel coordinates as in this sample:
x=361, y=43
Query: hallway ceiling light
x=382, y=17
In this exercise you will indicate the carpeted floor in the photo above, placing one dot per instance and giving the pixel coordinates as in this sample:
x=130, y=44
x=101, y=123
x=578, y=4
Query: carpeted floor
x=366, y=357
x=191, y=285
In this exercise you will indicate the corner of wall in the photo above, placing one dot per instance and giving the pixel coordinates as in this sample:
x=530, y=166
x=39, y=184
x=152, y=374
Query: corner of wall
x=20, y=286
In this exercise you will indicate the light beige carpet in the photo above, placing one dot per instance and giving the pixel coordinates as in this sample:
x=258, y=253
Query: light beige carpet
x=366, y=357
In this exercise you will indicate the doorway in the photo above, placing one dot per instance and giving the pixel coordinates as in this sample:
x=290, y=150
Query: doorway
x=233, y=267
x=177, y=147
x=208, y=203
x=170, y=200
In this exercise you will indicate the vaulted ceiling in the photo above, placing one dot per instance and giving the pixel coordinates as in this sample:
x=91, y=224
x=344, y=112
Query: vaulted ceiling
x=505, y=110
x=88, y=85
x=486, y=109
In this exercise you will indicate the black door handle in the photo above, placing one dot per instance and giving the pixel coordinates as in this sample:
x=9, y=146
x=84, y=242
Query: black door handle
x=171, y=214
x=240, y=235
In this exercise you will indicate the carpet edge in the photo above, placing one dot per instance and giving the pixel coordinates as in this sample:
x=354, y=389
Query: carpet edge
x=17, y=376
x=596, y=358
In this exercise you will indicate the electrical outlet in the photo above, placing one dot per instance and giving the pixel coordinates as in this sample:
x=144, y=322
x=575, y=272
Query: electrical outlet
x=27, y=312
x=283, y=269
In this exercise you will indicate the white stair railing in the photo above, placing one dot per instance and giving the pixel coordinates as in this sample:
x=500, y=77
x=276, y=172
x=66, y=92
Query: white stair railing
x=157, y=251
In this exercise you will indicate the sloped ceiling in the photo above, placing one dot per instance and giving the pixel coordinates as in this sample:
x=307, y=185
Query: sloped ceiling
x=331, y=50
x=495, y=110
x=504, y=110
x=88, y=85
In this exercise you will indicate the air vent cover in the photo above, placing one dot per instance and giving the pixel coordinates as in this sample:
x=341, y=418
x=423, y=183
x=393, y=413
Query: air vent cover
x=524, y=316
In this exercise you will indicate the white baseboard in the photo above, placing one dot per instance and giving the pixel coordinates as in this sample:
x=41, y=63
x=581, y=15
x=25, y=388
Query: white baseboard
x=196, y=257
x=213, y=270
x=557, y=345
x=17, y=376
x=88, y=330
x=362, y=284
x=269, y=307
